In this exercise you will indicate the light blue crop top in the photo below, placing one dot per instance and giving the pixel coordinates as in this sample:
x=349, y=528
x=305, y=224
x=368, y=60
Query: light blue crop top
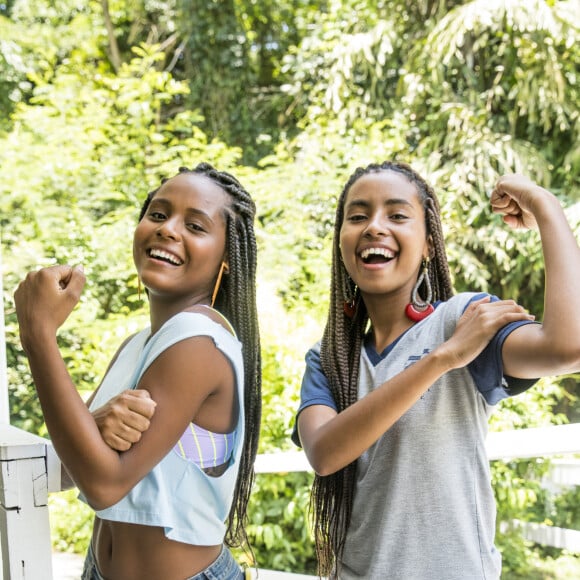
x=177, y=494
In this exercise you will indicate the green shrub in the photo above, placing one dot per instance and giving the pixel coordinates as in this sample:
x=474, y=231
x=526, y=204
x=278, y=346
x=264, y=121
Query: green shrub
x=71, y=522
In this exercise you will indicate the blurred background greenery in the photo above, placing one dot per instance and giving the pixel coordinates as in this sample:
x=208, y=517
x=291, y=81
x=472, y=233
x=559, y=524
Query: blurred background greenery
x=101, y=99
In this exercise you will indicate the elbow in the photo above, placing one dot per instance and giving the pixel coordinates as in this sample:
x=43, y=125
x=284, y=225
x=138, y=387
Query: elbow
x=322, y=464
x=100, y=501
x=325, y=471
x=100, y=495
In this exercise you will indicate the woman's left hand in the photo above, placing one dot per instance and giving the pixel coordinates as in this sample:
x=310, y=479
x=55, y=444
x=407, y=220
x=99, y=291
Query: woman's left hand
x=45, y=299
x=124, y=418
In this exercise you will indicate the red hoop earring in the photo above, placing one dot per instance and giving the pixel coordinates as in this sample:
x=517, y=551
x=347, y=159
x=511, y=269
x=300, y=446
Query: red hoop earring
x=418, y=315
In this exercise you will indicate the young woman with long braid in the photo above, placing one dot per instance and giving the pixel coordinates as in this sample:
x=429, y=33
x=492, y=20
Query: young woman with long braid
x=396, y=397
x=168, y=506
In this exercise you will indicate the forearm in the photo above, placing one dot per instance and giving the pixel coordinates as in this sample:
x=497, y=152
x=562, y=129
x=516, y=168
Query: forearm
x=43, y=302
x=73, y=431
x=341, y=440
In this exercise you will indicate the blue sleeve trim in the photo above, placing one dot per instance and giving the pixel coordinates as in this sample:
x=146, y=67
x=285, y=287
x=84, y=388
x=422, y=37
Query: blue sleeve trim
x=314, y=390
x=487, y=369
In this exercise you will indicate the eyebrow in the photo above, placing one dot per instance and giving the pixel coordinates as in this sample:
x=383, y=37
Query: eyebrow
x=389, y=202
x=192, y=210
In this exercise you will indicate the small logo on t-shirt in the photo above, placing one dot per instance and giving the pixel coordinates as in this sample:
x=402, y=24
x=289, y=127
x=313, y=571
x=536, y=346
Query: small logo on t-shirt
x=416, y=357
x=413, y=359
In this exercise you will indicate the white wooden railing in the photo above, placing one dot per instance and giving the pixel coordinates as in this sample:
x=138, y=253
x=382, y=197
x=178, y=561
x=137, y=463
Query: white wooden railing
x=24, y=486
x=29, y=471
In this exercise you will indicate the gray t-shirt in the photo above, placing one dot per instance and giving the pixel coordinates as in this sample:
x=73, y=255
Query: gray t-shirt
x=424, y=506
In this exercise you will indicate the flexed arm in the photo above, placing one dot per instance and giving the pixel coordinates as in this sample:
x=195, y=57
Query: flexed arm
x=43, y=302
x=554, y=346
x=332, y=440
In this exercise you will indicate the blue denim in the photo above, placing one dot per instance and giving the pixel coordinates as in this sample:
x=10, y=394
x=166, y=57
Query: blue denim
x=223, y=568
x=90, y=570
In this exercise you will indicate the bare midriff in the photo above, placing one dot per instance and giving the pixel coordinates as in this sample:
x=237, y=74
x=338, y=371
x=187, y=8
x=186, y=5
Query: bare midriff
x=144, y=552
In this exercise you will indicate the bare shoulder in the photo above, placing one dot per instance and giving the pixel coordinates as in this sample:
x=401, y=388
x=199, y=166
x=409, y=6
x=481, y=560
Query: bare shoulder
x=213, y=314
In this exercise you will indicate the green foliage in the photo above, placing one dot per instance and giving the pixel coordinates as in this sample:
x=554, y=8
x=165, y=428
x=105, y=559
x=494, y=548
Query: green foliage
x=518, y=484
x=71, y=522
x=279, y=528
x=566, y=511
x=12, y=74
x=279, y=531
x=521, y=497
x=92, y=117
x=85, y=154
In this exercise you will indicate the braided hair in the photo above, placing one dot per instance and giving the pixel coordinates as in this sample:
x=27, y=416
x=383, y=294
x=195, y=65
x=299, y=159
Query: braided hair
x=236, y=300
x=332, y=495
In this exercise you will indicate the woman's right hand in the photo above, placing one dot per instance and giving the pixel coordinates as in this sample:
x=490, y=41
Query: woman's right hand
x=123, y=419
x=44, y=300
x=479, y=323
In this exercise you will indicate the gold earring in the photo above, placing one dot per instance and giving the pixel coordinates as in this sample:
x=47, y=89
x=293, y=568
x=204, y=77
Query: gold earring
x=139, y=287
x=223, y=268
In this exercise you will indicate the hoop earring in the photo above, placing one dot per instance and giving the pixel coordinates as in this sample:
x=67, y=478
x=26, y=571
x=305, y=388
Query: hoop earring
x=223, y=268
x=350, y=295
x=139, y=288
x=418, y=309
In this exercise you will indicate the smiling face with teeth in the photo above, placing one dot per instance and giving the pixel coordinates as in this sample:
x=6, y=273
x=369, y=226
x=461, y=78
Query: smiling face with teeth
x=383, y=236
x=180, y=242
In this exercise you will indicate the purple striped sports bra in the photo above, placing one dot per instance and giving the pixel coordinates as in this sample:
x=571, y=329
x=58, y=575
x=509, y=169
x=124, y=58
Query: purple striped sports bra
x=204, y=448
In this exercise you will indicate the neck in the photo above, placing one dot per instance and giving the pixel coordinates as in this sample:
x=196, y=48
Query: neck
x=388, y=319
x=161, y=311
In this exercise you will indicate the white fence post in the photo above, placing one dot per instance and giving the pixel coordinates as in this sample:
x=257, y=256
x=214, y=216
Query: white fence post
x=24, y=525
